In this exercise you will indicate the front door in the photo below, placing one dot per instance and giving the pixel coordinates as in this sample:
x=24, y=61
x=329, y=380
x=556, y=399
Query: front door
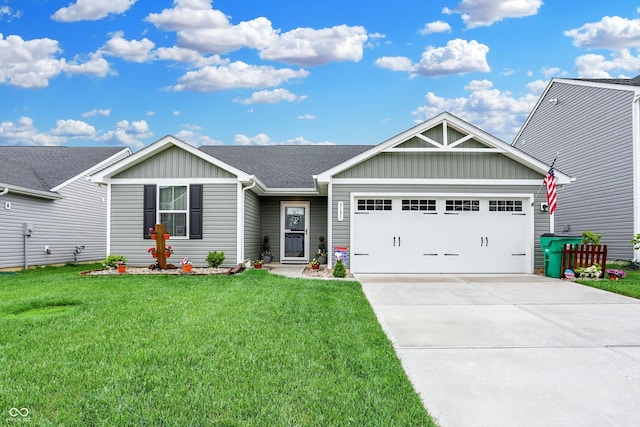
x=294, y=245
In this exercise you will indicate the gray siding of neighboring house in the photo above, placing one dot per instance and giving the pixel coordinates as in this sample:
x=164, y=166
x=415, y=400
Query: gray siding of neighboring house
x=271, y=222
x=252, y=225
x=174, y=162
x=342, y=193
x=448, y=165
x=220, y=211
x=78, y=219
x=592, y=129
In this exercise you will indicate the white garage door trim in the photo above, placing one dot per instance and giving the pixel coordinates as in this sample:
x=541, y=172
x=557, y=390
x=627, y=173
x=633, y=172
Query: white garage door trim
x=396, y=267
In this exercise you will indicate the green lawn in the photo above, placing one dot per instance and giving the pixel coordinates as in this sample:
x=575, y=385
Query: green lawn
x=253, y=349
x=629, y=286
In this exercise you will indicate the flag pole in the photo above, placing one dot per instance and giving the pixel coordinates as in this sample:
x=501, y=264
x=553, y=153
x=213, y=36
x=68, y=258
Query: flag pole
x=552, y=222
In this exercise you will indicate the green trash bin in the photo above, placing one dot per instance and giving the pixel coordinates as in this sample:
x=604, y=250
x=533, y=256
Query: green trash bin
x=552, y=246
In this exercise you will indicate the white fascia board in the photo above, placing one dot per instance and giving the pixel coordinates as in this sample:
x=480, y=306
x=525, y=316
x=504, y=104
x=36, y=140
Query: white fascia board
x=13, y=189
x=159, y=146
x=290, y=192
x=91, y=169
x=437, y=181
x=173, y=181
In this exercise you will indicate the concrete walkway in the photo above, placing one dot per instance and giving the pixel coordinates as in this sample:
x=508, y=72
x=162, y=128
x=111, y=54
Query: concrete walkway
x=514, y=350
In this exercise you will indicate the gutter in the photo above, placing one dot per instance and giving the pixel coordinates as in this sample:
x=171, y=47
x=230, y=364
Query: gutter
x=254, y=182
x=5, y=191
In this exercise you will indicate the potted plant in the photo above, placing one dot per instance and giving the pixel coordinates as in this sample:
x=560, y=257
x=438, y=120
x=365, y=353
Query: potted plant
x=152, y=233
x=593, y=272
x=314, y=264
x=186, y=264
x=121, y=266
x=615, y=274
x=153, y=251
x=266, y=254
x=168, y=251
x=258, y=263
x=321, y=255
x=112, y=260
x=590, y=238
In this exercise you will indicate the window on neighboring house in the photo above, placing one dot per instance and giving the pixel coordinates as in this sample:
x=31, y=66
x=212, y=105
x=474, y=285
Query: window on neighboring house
x=173, y=209
x=178, y=208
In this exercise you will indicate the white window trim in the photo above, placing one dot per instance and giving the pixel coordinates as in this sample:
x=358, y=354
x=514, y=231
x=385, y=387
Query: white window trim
x=186, y=212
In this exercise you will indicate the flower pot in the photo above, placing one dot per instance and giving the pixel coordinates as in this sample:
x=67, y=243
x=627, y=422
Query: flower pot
x=613, y=277
x=153, y=236
x=257, y=265
x=266, y=259
x=167, y=255
x=187, y=267
x=122, y=268
x=321, y=259
x=166, y=236
x=315, y=267
x=155, y=255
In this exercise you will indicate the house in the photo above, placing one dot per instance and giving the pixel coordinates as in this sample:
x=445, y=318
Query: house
x=443, y=196
x=50, y=212
x=593, y=126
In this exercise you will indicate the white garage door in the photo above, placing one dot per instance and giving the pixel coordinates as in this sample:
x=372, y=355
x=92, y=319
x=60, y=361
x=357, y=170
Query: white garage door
x=441, y=235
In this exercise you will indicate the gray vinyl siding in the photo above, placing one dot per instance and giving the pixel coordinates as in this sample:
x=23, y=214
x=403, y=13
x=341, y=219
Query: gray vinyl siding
x=252, y=226
x=592, y=128
x=78, y=219
x=342, y=193
x=271, y=222
x=219, y=226
x=174, y=162
x=448, y=165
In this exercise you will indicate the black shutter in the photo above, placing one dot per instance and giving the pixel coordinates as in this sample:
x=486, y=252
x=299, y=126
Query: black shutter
x=149, y=220
x=195, y=211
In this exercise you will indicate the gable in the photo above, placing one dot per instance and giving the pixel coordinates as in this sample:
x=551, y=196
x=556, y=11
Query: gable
x=174, y=162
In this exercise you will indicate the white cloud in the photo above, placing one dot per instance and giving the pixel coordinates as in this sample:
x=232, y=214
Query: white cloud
x=395, y=63
x=272, y=97
x=200, y=27
x=483, y=13
x=435, y=27
x=7, y=14
x=550, y=72
x=307, y=46
x=197, y=139
x=130, y=50
x=236, y=75
x=32, y=63
x=306, y=117
x=457, y=57
x=23, y=132
x=128, y=133
x=263, y=139
x=73, y=129
x=97, y=112
x=597, y=66
x=612, y=32
x=91, y=10
x=499, y=113
x=190, y=56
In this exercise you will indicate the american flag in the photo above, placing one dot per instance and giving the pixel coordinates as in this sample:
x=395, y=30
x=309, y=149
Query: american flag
x=550, y=182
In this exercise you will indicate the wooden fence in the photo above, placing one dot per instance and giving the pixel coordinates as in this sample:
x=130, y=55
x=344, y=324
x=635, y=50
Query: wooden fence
x=580, y=256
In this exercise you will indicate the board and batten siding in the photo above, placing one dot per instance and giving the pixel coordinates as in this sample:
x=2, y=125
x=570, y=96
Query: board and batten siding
x=78, y=219
x=252, y=225
x=219, y=226
x=440, y=165
x=341, y=230
x=271, y=225
x=592, y=129
x=174, y=162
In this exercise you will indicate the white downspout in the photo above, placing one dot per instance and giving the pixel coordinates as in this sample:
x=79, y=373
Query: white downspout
x=635, y=109
x=5, y=191
x=241, y=256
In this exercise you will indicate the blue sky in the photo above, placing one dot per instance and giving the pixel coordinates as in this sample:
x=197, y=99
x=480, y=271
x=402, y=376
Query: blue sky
x=128, y=72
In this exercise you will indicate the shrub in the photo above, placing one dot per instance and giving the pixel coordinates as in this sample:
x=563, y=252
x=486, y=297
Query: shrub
x=590, y=238
x=112, y=260
x=215, y=259
x=339, y=270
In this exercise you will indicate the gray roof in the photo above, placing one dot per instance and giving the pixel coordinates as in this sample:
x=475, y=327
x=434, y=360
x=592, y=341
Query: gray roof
x=284, y=166
x=627, y=82
x=43, y=168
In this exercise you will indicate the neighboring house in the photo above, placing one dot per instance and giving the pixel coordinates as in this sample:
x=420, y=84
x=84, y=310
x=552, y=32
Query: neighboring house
x=443, y=196
x=49, y=189
x=594, y=125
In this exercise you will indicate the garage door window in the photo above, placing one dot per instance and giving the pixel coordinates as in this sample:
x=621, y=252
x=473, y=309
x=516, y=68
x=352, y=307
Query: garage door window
x=418, y=205
x=505, y=205
x=462, y=205
x=374, y=205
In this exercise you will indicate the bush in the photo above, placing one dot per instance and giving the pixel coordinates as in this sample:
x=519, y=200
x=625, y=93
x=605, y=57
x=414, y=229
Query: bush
x=215, y=259
x=339, y=270
x=112, y=260
x=590, y=238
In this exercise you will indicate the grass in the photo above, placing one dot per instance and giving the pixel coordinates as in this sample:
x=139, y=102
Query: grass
x=629, y=286
x=248, y=350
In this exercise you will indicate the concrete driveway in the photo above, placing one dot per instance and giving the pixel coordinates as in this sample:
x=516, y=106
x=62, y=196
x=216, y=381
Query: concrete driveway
x=513, y=350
